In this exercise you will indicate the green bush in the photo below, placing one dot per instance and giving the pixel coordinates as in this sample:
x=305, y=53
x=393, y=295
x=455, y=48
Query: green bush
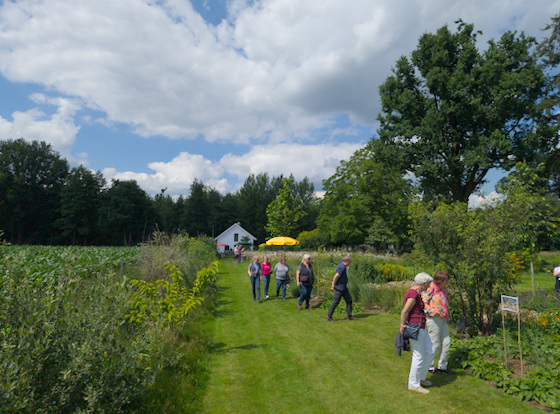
x=68, y=343
x=293, y=290
x=66, y=346
x=376, y=271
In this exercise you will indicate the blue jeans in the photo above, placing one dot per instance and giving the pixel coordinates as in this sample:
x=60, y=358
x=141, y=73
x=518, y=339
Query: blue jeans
x=266, y=284
x=305, y=295
x=256, y=284
x=283, y=284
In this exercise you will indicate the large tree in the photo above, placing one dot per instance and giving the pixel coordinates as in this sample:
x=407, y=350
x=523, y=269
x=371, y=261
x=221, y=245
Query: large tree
x=32, y=176
x=80, y=202
x=451, y=113
x=361, y=194
x=284, y=212
x=197, y=210
x=548, y=52
x=126, y=214
x=253, y=198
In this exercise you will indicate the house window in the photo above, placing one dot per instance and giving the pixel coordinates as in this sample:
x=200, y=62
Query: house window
x=235, y=237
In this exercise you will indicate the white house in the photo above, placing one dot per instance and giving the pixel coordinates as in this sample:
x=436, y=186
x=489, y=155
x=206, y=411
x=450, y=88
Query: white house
x=233, y=236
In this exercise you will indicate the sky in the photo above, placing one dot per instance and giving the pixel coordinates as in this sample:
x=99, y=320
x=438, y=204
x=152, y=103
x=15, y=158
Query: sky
x=166, y=92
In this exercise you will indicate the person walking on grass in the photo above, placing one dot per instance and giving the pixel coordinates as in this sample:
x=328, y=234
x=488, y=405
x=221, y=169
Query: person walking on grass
x=281, y=271
x=422, y=348
x=339, y=285
x=436, y=306
x=266, y=271
x=305, y=279
x=254, y=271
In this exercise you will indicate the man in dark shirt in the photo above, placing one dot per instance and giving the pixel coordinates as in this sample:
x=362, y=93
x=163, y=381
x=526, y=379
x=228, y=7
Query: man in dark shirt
x=339, y=285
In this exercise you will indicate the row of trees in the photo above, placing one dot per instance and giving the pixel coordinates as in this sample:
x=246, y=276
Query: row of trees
x=43, y=201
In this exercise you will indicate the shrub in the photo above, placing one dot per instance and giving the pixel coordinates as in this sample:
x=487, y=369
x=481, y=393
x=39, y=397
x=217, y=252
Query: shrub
x=66, y=344
x=293, y=290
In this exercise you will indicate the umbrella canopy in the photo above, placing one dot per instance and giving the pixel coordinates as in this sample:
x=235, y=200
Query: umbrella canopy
x=222, y=245
x=245, y=243
x=282, y=241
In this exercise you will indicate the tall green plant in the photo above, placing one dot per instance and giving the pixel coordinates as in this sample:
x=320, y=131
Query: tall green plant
x=169, y=298
x=473, y=246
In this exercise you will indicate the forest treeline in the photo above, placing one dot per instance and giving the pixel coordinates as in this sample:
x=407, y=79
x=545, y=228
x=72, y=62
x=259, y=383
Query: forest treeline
x=44, y=201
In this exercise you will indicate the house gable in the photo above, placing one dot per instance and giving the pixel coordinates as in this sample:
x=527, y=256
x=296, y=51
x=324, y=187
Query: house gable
x=234, y=234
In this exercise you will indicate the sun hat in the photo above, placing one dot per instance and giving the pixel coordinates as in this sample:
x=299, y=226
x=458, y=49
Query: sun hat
x=422, y=278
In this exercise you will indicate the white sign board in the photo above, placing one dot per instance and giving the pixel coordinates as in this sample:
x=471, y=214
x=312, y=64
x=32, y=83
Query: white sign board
x=510, y=303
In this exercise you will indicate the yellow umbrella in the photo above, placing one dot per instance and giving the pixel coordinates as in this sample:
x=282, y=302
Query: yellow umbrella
x=282, y=241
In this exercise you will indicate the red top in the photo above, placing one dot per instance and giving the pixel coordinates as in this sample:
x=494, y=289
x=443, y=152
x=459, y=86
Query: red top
x=266, y=269
x=416, y=314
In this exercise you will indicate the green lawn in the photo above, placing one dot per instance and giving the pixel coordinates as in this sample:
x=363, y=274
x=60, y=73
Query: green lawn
x=543, y=280
x=271, y=358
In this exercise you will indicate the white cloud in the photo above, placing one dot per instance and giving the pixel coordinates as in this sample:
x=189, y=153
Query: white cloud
x=57, y=129
x=176, y=175
x=277, y=68
x=482, y=201
x=315, y=162
x=312, y=161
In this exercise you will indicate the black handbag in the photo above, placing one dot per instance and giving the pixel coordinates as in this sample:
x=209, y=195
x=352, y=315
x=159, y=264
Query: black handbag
x=411, y=331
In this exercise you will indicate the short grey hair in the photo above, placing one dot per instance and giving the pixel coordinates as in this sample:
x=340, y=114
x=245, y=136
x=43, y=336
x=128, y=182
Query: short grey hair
x=422, y=278
x=306, y=256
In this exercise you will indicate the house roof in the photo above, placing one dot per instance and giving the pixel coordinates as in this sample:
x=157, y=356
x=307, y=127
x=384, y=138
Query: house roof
x=232, y=226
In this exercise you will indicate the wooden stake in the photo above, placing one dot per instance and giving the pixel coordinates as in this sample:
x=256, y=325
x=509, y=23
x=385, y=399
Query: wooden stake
x=519, y=338
x=505, y=340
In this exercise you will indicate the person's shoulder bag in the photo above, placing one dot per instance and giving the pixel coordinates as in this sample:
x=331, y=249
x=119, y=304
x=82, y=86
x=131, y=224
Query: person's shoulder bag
x=411, y=331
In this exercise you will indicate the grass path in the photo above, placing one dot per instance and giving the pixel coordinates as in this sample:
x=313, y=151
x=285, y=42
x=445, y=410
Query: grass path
x=271, y=358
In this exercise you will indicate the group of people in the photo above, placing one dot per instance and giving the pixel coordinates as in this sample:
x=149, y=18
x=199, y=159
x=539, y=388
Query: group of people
x=264, y=270
x=426, y=308
x=304, y=279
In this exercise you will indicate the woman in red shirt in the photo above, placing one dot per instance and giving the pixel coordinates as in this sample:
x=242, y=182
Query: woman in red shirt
x=266, y=271
x=422, y=349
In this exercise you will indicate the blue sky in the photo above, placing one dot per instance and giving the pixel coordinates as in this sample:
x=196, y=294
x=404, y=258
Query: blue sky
x=170, y=91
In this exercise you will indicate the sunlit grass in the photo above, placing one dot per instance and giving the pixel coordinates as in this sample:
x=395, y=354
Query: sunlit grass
x=271, y=358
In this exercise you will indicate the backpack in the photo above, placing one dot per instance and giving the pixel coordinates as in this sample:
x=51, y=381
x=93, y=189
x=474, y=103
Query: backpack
x=255, y=272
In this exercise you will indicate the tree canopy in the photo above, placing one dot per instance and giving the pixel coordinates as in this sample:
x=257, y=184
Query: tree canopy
x=32, y=176
x=451, y=113
x=284, y=212
x=360, y=192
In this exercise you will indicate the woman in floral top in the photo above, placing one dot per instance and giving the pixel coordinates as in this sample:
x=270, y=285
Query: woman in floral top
x=437, y=312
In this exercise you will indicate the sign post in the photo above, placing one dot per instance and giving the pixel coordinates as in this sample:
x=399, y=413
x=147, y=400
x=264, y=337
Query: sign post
x=511, y=304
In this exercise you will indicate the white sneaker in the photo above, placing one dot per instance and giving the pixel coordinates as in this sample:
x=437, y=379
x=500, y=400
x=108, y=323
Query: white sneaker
x=419, y=389
x=426, y=383
x=266, y=297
